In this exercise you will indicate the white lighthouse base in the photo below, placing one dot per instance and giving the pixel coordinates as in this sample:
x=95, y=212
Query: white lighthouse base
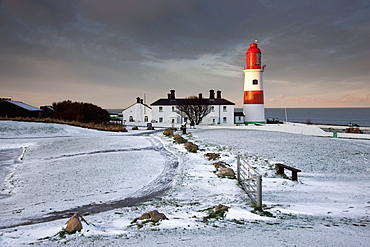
x=254, y=113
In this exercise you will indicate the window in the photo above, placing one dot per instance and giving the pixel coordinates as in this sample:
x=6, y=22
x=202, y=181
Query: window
x=224, y=119
x=213, y=121
x=146, y=119
x=255, y=82
x=161, y=108
x=212, y=108
x=131, y=119
x=173, y=109
x=224, y=108
x=161, y=119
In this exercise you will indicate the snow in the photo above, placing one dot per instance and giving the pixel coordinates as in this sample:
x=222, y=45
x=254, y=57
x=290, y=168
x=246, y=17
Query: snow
x=116, y=177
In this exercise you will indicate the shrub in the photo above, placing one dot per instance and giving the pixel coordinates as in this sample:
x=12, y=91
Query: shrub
x=80, y=112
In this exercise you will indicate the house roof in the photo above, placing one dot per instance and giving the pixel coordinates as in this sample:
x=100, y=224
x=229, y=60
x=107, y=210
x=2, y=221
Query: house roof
x=218, y=101
x=23, y=105
x=137, y=104
x=238, y=114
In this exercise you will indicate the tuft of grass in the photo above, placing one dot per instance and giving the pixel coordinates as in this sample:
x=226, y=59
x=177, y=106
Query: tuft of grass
x=213, y=214
x=259, y=211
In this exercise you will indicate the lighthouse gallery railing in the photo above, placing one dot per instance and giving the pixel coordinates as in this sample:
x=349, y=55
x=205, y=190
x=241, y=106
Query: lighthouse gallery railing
x=250, y=180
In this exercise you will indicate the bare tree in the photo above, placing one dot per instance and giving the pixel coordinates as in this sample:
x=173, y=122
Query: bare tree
x=193, y=108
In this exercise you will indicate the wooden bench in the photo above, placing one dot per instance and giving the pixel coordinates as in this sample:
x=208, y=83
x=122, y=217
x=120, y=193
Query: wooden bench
x=294, y=170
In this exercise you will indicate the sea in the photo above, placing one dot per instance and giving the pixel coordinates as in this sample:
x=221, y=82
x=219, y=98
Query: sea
x=331, y=116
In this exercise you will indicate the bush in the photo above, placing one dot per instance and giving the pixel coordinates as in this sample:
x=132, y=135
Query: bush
x=80, y=112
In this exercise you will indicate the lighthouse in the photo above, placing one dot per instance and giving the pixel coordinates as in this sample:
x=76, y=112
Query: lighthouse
x=254, y=110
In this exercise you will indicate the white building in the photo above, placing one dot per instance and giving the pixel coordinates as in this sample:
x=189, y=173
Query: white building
x=138, y=112
x=222, y=110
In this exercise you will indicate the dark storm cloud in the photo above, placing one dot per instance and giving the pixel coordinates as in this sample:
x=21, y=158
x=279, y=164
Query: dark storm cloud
x=164, y=44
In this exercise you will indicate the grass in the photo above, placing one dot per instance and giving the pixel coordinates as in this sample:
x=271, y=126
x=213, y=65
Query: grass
x=104, y=127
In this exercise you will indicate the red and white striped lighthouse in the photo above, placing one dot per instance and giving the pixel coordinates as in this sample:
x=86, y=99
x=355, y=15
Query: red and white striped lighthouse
x=254, y=109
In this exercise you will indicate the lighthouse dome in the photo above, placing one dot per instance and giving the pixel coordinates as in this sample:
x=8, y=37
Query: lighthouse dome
x=253, y=49
x=253, y=55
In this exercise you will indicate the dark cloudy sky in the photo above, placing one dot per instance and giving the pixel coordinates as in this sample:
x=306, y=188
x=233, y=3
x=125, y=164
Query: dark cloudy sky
x=108, y=52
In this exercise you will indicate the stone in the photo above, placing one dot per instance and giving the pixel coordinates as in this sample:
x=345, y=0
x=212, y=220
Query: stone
x=226, y=172
x=73, y=224
x=212, y=156
x=191, y=147
x=145, y=216
x=179, y=139
x=221, y=207
x=219, y=165
x=168, y=132
x=156, y=216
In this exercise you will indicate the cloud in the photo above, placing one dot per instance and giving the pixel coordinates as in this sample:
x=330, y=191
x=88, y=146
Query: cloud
x=277, y=98
x=312, y=49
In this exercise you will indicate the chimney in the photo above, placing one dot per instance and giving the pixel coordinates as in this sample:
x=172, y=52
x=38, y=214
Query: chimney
x=141, y=101
x=200, y=95
x=172, y=94
x=218, y=94
x=169, y=96
x=138, y=100
x=211, y=94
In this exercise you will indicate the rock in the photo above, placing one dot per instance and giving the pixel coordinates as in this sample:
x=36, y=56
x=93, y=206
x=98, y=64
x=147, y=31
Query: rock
x=168, y=132
x=226, y=172
x=179, y=139
x=145, y=216
x=191, y=147
x=212, y=156
x=219, y=165
x=73, y=224
x=135, y=128
x=221, y=207
x=156, y=216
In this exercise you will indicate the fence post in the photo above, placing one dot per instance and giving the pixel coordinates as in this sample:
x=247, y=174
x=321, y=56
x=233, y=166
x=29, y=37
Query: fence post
x=259, y=191
x=238, y=167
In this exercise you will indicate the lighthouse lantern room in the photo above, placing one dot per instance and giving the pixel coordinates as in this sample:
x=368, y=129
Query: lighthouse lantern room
x=253, y=108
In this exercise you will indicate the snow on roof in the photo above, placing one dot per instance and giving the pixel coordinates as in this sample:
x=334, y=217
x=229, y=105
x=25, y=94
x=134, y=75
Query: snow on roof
x=218, y=101
x=24, y=106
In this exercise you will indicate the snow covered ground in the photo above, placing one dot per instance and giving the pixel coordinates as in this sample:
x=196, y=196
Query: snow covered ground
x=51, y=171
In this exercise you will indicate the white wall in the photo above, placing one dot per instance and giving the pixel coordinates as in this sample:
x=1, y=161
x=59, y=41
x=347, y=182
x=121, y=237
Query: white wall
x=166, y=115
x=137, y=112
